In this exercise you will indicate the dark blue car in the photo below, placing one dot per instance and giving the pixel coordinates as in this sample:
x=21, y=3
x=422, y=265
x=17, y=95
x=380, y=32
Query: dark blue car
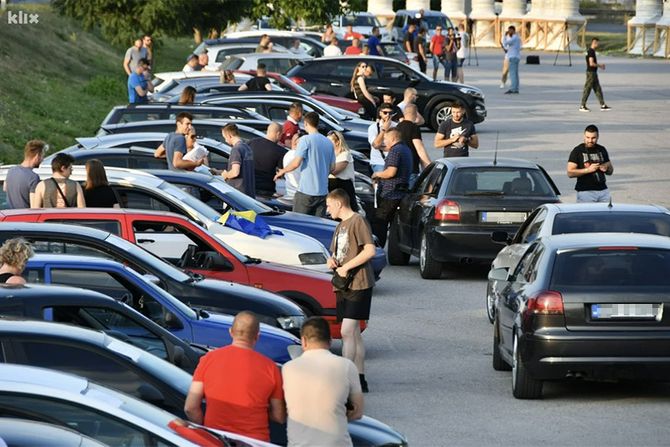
x=123, y=283
x=216, y=193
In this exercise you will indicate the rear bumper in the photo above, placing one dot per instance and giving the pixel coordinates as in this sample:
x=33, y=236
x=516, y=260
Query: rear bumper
x=454, y=244
x=618, y=355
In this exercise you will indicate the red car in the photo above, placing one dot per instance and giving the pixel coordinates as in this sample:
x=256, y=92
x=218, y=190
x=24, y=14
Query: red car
x=158, y=232
x=335, y=101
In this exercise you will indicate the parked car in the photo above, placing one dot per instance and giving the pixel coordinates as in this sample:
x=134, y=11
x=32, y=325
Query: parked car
x=207, y=128
x=455, y=205
x=431, y=19
x=203, y=85
x=193, y=289
x=587, y=305
x=563, y=218
x=93, y=310
x=20, y=432
x=225, y=48
x=74, y=402
x=162, y=80
x=167, y=235
x=435, y=98
x=279, y=62
x=362, y=23
x=308, y=41
x=139, y=190
x=126, y=285
x=149, y=112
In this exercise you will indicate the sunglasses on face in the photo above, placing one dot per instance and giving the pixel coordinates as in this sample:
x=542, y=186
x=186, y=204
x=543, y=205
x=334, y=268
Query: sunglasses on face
x=385, y=112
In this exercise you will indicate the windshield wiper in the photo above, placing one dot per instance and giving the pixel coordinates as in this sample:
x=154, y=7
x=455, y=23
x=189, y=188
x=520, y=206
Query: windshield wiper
x=250, y=260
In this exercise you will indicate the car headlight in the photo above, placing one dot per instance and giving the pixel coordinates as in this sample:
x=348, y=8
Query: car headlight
x=291, y=322
x=363, y=188
x=471, y=91
x=312, y=258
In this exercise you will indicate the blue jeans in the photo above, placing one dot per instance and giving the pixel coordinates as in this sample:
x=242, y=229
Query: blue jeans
x=593, y=196
x=436, y=66
x=514, y=73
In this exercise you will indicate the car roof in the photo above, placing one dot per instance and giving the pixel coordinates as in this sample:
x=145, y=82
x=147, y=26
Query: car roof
x=98, y=151
x=60, y=258
x=87, y=212
x=15, y=431
x=594, y=240
x=605, y=208
x=350, y=58
x=50, y=292
x=66, y=331
x=20, y=228
x=190, y=176
x=120, y=175
x=196, y=122
x=167, y=105
x=470, y=162
x=112, y=139
x=254, y=56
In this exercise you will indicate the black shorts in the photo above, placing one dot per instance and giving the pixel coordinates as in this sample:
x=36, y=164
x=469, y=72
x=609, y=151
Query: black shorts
x=354, y=304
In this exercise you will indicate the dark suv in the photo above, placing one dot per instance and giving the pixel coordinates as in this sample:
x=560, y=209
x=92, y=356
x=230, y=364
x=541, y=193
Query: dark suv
x=332, y=75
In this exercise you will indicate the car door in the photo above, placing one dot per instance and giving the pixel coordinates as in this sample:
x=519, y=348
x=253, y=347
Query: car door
x=331, y=77
x=202, y=193
x=406, y=207
x=390, y=77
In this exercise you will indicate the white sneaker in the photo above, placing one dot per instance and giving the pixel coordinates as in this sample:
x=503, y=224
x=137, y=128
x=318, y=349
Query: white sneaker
x=502, y=85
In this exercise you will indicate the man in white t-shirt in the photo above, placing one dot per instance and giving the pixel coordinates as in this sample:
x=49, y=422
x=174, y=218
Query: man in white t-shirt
x=333, y=49
x=291, y=179
x=376, y=136
x=322, y=391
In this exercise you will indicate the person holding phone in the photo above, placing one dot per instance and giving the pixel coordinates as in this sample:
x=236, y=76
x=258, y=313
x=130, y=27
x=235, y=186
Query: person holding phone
x=589, y=162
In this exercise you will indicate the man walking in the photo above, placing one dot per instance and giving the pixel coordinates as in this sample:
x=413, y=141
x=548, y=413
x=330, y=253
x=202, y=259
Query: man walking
x=590, y=162
x=21, y=179
x=592, y=82
x=322, y=391
x=512, y=44
x=139, y=84
x=240, y=173
x=457, y=134
x=315, y=157
x=268, y=159
x=242, y=388
x=393, y=182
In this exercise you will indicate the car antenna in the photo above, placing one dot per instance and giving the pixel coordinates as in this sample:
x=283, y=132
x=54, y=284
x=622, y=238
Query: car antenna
x=495, y=154
x=609, y=205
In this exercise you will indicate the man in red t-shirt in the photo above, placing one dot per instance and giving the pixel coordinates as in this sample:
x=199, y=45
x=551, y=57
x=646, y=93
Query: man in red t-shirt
x=291, y=127
x=242, y=388
x=355, y=47
x=351, y=34
x=437, y=43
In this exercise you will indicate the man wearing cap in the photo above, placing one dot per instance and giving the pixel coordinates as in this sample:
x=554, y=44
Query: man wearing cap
x=191, y=64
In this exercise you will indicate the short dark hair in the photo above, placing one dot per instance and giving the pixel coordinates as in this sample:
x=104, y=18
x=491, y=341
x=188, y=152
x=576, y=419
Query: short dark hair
x=316, y=329
x=591, y=128
x=385, y=106
x=458, y=105
x=312, y=118
x=261, y=66
x=295, y=106
x=231, y=129
x=595, y=39
x=144, y=61
x=183, y=115
x=341, y=196
x=512, y=27
x=61, y=161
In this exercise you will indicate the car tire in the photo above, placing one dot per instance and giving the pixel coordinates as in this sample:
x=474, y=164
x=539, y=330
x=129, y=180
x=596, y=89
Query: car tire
x=439, y=114
x=428, y=266
x=395, y=255
x=523, y=386
x=499, y=364
x=490, y=304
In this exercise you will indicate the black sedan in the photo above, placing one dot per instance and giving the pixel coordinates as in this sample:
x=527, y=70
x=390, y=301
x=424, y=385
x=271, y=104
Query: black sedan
x=332, y=75
x=586, y=305
x=455, y=205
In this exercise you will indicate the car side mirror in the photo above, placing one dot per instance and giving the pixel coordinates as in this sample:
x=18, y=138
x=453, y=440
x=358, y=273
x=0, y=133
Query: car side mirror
x=150, y=393
x=499, y=274
x=217, y=262
x=172, y=322
x=501, y=237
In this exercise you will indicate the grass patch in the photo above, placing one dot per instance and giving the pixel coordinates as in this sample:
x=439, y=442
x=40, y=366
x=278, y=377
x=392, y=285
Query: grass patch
x=58, y=81
x=613, y=44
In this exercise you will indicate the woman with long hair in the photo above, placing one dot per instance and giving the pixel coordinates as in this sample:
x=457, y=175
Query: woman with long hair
x=343, y=176
x=97, y=192
x=360, y=90
x=328, y=34
x=187, y=96
x=14, y=255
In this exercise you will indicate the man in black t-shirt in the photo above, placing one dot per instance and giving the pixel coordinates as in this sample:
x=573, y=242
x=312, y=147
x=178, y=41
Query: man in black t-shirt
x=411, y=136
x=457, y=134
x=408, y=40
x=590, y=162
x=259, y=83
x=592, y=82
x=268, y=158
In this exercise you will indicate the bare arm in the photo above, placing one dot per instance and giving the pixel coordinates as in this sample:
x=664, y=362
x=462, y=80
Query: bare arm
x=441, y=140
x=356, y=412
x=339, y=167
x=574, y=171
x=16, y=279
x=268, y=87
x=179, y=162
x=421, y=152
x=607, y=168
x=234, y=171
x=242, y=88
x=160, y=152
x=37, y=198
x=277, y=411
x=419, y=121
x=193, y=404
x=295, y=163
x=126, y=65
x=474, y=141
x=81, y=202
x=378, y=142
x=364, y=89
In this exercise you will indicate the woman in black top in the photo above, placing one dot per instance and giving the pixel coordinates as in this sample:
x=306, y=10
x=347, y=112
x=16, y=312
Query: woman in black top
x=97, y=192
x=14, y=255
x=360, y=90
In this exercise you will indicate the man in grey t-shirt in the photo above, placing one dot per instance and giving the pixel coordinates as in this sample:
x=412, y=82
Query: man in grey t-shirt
x=174, y=145
x=241, y=172
x=133, y=56
x=21, y=180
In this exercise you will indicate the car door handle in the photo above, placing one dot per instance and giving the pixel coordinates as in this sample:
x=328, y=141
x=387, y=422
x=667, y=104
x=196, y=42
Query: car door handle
x=145, y=241
x=335, y=84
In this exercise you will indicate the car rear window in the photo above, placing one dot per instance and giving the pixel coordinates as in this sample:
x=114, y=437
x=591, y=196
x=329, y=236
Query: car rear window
x=232, y=63
x=612, y=267
x=612, y=222
x=499, y=181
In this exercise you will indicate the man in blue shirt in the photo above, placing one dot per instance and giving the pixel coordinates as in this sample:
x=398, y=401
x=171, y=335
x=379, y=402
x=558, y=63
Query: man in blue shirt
x=139, y=84
x=393, y=182
x=315, y=156
x=512, y=44
x=373, y=42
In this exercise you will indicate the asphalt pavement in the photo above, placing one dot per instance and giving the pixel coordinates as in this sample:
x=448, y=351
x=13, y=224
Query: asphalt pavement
x=429, y=343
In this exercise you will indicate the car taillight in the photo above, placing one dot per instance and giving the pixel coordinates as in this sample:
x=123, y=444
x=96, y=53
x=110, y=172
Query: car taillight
x=298, y=80
x=545, y=303
x=448, y=211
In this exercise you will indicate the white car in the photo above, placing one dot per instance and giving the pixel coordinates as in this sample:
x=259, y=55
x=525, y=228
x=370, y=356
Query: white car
x=362, y=23
x=144, y=191
x=93, y=410
x=274, y=62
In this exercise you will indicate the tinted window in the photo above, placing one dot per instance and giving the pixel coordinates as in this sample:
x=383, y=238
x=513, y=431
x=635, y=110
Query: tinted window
x=323, y=68
x=433, y=21
x=393, y=71
x=110, y=161
x=531, y=232
x=598, y=268
x=224, y=53
x=612, y=222
x=110, y=226
x=70, y=248
x=131, y=116
x=499, y=181
x=149, y=162
x=131, y=198
x=231, y=63
x=526, y=265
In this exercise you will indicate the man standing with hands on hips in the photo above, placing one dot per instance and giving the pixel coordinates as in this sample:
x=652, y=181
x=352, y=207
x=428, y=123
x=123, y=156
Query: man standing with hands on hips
x=590, y=162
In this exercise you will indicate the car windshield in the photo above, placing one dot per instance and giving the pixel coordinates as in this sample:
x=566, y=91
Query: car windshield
x=503, y=181
x=612, y=222
x=196, y=209
x=361, y=20
x=611, y=266
x=433, y=21
x=190, y=313
x=237, y=199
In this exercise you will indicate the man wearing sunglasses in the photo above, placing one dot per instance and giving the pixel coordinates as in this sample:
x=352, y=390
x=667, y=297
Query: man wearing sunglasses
x=376, y=133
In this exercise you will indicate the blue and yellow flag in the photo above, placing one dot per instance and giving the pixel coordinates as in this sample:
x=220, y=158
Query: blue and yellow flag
x=248, y=222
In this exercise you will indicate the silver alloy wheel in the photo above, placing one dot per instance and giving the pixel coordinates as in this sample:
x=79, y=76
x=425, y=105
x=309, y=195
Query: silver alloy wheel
x=443, y=114
x=515, y=366
x=490, y=304
x=422, y=252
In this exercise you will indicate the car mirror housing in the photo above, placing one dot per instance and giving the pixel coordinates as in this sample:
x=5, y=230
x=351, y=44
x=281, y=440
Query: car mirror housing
x=501, y=237
x=499, y=274
x=172, y=322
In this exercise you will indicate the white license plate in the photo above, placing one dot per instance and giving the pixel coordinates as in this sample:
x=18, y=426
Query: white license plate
x=642, y=311
x=502, y=217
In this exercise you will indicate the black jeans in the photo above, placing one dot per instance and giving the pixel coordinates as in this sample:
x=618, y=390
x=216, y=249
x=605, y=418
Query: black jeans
x=305, y=204
x=384, y=213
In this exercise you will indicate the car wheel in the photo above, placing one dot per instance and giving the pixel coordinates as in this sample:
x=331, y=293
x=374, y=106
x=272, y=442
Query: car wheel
x=523, y=386
x=499, y=364
x=395, y=255
x=441, y=113
x=490, y=304
x=428, y=266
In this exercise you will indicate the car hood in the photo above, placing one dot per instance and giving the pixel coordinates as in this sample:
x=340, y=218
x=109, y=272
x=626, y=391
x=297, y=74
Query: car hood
x=320, y=229
x=358, y=126
x=370, y=431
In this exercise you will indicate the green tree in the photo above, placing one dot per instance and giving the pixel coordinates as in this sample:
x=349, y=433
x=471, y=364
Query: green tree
x=281, y=12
